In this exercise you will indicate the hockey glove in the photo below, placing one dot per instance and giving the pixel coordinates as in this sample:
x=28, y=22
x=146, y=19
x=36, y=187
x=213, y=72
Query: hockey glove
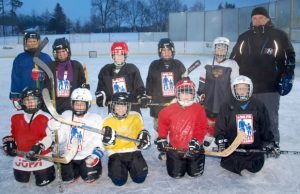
x=144, y=138
x=93, y=159
x=53, y=125
x=9, y=145
x=101, y=98
x=162, y=144
x=85, y=85
x=221, y=142
x=195, y=148
x=16, y=103
x=35, y=150
x=144, y=100
x=271, y=149
x=286, y=80
x=109, y=136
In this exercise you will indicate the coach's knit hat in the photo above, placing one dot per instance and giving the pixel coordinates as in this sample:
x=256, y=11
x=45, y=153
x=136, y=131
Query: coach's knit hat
x=260, y=11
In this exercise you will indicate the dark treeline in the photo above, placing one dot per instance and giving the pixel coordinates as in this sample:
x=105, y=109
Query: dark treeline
x=105, y=16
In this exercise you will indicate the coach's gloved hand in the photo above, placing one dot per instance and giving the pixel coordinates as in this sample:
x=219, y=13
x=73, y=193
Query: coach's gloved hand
x=144, y=137
x=109, y=136
x=272, y=149
x=162, y=144
x=9, y=145
x=93, y=159
x=35, y=150
x=144, y=100
x=101, y=98
x=221, y=142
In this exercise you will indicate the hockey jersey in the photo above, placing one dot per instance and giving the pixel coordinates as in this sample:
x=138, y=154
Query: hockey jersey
x=161, y=82
x=250, y=117
x=64, y=88
x=27, y=130
x=26, y=74
x=87, y=140
x=130, y=126
x=182, y=124
x=128, y=79
x=215, y=82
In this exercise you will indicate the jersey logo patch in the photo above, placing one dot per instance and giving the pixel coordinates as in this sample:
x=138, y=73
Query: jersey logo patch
x=245, y=124
x=76, y=132
x=63, y=86
x=167, y=84
x=217, y=72
x=119, y=85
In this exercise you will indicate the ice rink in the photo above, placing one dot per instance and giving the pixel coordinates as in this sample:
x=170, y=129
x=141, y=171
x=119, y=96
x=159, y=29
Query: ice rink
x=280, y=175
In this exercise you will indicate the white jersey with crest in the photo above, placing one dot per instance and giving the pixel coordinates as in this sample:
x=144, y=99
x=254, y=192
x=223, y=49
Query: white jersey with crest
x=87, y=140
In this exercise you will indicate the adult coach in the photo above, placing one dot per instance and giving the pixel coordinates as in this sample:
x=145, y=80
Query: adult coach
x=266, y=55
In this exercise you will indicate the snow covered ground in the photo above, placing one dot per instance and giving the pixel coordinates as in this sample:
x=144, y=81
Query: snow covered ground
x=280, y=175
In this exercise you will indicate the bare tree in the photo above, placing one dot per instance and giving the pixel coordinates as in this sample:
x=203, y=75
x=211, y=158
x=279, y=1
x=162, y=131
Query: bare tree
x=102, y=10
x=160, y=10
x=198, y=6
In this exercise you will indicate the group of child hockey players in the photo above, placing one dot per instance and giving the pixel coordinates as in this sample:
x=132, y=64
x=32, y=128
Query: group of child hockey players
x=221, y=107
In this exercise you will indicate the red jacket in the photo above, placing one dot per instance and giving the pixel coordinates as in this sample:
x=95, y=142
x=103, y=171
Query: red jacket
x=182, y=124
x=27, y=134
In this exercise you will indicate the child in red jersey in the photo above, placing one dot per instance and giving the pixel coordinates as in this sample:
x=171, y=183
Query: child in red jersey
x=181, y=129
x=30, y=134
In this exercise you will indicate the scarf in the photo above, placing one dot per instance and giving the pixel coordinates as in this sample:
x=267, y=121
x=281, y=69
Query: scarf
x=62, y=66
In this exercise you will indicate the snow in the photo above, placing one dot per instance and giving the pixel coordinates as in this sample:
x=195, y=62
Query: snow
x=280, y=175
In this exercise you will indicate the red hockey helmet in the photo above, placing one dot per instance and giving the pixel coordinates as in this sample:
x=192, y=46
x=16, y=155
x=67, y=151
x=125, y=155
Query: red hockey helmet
x=119, y=48
x=185, y=86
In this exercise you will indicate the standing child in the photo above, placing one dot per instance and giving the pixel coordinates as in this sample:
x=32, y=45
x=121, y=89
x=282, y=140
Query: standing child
x=119, y=77
x=68, y=74
x=86, y=162
x=163, y=74
x=247, y=114
x=29, y=133
x=126, y=156
x=25, y=73
x=182, y=126
x=215, y=78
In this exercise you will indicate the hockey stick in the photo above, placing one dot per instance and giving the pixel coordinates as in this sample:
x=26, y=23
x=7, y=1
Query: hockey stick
x=191, y=68
x=59, y=118
x=64, y=160
x=233, y=146
x=45, y=68
x=264, y=151
x=41, y=47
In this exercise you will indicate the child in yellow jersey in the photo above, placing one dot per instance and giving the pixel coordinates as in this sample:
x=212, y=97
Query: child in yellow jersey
x=125, y=156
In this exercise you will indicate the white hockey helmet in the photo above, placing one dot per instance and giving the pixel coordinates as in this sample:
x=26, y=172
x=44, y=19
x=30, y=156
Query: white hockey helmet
x=220, y=48
x=81, y=94
x=185, y=86
x=242, y=80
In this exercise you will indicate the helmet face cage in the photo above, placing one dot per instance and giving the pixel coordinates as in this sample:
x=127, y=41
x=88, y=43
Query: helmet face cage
x=27, y=35
x=120, y=98
x=84, y=95
x=31, y=100
x=61, y=43
x=237, y=88
x=185, y=92
x=221, y=46
x=166, y=43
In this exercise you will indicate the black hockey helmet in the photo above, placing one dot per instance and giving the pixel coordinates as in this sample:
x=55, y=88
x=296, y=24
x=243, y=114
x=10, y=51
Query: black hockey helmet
x=61, y=43
x=120, y=98
x=31, y=108
x=166, y=43
x=30, y=34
